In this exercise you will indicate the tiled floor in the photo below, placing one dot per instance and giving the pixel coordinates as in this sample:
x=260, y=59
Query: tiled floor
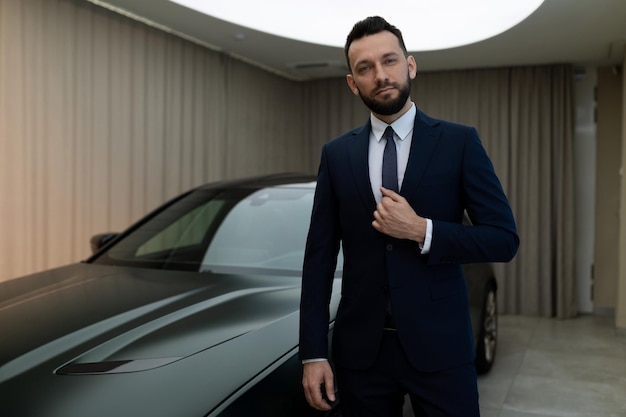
x=556, y=368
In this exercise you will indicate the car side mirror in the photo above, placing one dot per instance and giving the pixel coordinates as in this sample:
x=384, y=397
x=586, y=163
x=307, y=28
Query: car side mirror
x=98, y=241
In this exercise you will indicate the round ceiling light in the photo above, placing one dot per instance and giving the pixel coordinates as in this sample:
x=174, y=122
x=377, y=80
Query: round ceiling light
x=426, y=25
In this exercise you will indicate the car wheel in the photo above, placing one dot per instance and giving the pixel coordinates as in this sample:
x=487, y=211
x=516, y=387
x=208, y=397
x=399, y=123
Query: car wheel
x=488, y=335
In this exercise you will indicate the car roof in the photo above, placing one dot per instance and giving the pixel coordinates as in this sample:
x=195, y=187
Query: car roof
x=284, y=179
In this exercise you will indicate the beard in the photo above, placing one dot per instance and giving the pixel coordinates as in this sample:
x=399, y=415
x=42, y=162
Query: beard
x=387, y=108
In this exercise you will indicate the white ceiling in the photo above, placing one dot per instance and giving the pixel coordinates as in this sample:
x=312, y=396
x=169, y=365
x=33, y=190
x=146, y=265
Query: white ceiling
x=581, y=32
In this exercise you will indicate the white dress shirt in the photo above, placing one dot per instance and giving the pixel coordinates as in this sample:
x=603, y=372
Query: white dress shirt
x=403, y=136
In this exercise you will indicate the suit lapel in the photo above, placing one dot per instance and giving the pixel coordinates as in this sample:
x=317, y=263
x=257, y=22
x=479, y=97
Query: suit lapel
x=426, y=133
x=425, y=138
x=359, y=164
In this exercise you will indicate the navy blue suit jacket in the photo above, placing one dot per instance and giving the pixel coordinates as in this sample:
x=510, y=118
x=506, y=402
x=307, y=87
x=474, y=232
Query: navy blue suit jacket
x=448, y=172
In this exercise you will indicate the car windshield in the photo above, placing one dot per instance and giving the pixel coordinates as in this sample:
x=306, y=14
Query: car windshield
x=233, y=230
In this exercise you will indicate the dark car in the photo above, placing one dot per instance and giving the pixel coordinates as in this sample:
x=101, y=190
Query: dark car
x=193, y=311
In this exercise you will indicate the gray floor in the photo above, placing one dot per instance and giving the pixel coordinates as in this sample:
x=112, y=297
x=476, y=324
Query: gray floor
x=550, y=368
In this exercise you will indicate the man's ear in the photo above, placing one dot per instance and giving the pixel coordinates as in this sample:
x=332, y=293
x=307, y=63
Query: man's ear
x=352, y=84
x=412, y=66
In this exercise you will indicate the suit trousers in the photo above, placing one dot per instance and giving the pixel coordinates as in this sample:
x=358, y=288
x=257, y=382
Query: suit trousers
x=380, y=391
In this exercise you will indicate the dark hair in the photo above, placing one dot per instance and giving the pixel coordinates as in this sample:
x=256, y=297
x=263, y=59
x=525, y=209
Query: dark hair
x=370, y=26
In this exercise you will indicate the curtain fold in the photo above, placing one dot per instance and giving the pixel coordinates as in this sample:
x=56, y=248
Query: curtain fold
x=542, y=129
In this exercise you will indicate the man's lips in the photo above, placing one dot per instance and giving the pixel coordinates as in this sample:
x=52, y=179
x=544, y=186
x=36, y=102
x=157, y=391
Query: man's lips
x=385, y=90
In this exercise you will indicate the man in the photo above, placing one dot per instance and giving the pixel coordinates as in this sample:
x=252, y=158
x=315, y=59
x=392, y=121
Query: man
x=403, y=323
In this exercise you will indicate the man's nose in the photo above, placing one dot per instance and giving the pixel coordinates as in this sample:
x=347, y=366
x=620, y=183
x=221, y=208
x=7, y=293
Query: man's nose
x=381, y=74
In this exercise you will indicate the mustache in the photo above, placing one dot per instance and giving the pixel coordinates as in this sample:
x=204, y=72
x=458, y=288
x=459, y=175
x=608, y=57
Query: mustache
x=384, y=84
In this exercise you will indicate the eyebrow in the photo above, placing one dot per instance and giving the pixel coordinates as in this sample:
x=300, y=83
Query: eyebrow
x=385, y=55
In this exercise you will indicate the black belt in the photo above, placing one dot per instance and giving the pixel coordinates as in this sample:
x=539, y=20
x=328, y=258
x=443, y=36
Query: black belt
x=390, y=323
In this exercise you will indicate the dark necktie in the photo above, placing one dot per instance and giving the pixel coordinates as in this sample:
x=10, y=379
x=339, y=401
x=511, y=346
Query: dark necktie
x=390, y=182
x=390, y=162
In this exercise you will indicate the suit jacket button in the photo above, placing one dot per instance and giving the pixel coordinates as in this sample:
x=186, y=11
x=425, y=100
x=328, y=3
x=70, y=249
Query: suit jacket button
x=389, y=247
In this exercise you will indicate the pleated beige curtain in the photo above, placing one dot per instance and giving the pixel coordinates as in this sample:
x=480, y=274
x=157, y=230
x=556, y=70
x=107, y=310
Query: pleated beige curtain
x=103, y=118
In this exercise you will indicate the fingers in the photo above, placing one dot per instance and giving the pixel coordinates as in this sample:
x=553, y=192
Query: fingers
x=318, y=376
x=395, y=217
x=387, y=205
x=380, y=214
x=391, y=194
x=329, y=387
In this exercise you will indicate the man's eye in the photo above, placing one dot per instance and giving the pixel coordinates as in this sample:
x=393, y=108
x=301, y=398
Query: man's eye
x=363, y=69
x=392, y=61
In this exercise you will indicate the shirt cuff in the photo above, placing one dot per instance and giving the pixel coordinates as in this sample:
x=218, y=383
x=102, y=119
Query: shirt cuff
x=425, y=247
x=314, y=360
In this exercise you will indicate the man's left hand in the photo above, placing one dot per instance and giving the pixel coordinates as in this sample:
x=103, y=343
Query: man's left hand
x=395, y=217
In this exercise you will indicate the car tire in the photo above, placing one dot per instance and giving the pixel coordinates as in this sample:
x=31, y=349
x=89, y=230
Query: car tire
x=488, y=335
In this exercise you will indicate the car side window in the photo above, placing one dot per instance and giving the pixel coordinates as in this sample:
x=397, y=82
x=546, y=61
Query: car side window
x=188, y=231
x=174, y=238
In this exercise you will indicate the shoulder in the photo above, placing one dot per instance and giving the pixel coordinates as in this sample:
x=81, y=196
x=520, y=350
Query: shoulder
x=349, y=136
x=451, y=134
x=447, y=125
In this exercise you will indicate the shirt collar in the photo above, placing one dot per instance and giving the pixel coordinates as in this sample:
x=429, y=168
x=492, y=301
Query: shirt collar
x=402, y=127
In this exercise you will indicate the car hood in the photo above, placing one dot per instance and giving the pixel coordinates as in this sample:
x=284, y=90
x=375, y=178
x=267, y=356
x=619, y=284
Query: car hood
x=131, y=319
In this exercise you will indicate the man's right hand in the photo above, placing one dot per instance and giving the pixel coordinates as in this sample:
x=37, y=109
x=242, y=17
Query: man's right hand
x=317, y=376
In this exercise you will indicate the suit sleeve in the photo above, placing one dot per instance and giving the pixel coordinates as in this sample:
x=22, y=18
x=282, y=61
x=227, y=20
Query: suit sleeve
x=320, y=261
x=492, y=237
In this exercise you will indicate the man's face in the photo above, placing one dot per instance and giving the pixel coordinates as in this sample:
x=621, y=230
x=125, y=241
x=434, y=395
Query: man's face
x=381, y=74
